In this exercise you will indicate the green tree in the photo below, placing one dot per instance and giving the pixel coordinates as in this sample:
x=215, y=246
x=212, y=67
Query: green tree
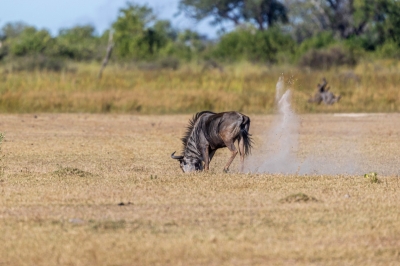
x=12, y=30
x=135, y=33
x=78, y=43
x=319, y=41
x=388, y=30
x=165, y=30
x=345, y=18
x=260, y=46
x=187, y=45
x=263, y=13
x=390, y=26
x=31, y=42
x=9, y=32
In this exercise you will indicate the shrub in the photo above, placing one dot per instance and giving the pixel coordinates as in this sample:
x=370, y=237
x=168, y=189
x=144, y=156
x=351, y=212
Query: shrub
x=78, y=43
x=322, y=40
x=3, y=50
x=327, y=58
x=40, y=62
x=31, y=42
x=372, y=177
x=258, y=46
x=163, y=63
x=389, y=49
x=187, y=46
x=169, y=63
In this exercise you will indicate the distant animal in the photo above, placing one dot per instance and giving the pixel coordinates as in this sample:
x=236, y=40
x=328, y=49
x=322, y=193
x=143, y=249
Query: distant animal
x=324, y=95
x=207, y=132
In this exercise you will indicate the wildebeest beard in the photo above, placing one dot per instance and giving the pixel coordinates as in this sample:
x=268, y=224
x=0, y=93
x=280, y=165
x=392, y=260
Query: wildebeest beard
x=188, y=164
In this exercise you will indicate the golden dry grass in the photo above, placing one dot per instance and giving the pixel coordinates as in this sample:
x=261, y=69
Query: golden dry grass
x=66, y=176
x=370, y=87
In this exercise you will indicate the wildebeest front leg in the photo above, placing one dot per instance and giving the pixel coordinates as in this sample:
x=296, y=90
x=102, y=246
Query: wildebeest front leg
x=232, y=148
x=206, y=157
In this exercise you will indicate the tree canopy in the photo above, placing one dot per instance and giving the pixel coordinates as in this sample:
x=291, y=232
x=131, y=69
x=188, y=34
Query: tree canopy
x=263, y=13
x=269, y=31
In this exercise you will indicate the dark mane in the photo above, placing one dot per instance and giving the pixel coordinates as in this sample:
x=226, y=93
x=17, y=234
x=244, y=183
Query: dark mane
x=189, y=128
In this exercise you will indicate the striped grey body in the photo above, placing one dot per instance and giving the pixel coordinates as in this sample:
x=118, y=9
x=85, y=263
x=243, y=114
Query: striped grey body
x=207, y=132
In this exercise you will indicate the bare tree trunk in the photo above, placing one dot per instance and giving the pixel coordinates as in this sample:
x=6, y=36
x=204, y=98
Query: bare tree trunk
x=110, y=47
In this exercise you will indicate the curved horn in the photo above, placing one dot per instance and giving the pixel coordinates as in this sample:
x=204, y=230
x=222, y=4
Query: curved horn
x=176, y=157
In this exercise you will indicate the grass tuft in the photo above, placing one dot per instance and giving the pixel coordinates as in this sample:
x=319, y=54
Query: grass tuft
x=372, y=177
x=108, y=225
x=70, y=171
x=299, y=197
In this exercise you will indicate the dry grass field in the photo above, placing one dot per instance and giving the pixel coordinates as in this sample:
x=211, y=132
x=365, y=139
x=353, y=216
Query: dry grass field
x=101, y=189
x=249, y=88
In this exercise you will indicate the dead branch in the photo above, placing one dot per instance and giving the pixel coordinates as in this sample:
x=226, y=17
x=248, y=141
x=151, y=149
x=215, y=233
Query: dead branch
x=110, y=47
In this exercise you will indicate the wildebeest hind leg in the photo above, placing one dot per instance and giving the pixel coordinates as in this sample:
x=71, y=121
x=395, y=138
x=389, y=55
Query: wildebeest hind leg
x=241, y=152
x=232, y=148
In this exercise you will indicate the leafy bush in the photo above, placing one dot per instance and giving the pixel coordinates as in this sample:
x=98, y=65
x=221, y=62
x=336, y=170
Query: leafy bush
x=78, y=43
x=188, y=45
x=389, y=49
x=163, y=63
x=362, y=43
x=31, y=42
x=12, y=30
x=169, y=63
x=260, y=46
x=327, y=58
x=372, y=177
x=322, y=40
x=3, y=50
x=40, y=62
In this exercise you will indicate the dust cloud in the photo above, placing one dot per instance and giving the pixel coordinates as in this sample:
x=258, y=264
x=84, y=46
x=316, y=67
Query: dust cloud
x=279, y=152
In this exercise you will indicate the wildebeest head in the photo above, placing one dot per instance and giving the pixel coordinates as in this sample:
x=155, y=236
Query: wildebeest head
x=188, y=164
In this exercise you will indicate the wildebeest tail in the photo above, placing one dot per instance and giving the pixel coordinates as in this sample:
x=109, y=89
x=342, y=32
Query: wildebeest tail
x=245, y=136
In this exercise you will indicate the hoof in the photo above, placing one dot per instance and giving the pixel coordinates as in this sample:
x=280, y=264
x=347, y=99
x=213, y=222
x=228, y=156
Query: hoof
x=226, y=170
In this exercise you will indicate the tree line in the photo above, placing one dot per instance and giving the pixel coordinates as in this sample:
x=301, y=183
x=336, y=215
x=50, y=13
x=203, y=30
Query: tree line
x=314, y=33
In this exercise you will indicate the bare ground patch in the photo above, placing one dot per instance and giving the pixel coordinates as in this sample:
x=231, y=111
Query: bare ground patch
x=49, y=217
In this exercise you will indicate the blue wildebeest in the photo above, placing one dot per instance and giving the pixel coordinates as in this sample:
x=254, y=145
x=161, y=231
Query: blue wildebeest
x=324, y=95
x=207, y=132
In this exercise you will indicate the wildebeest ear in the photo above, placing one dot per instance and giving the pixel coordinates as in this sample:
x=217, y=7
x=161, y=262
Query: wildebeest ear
x=180, y=157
